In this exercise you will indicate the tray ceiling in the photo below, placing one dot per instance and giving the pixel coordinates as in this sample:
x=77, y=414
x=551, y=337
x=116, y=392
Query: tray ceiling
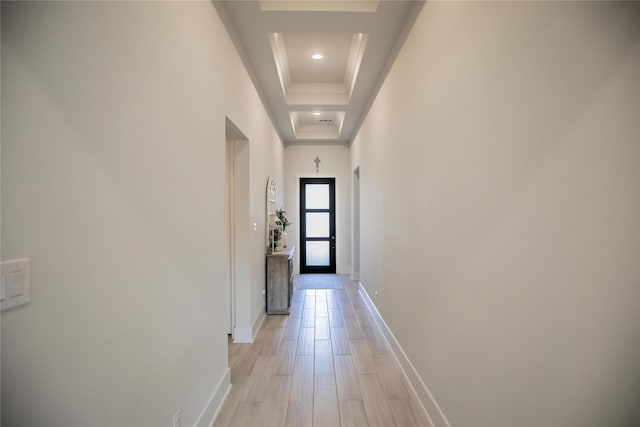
x=318, y=100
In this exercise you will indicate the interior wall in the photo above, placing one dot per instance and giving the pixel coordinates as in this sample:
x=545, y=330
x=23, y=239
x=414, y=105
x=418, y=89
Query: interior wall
x=113, y=183
x=500, y=171
x=334, y=162
x=355, y=227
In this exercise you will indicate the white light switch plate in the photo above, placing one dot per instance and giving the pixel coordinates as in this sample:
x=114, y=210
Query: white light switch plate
x=16, y=283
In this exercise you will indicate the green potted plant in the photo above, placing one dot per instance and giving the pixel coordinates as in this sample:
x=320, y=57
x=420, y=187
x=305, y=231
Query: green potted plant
x=282, y=218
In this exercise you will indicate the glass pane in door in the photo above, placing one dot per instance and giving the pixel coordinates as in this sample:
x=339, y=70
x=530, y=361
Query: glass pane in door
x=317, y=196
x=317, y=253
x=317, y=224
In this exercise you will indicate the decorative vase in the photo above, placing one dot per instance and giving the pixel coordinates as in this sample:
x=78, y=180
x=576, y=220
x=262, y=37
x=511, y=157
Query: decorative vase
x=284, y=239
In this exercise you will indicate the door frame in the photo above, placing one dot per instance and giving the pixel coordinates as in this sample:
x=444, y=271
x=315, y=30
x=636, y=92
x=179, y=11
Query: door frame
x=332, y=268
x=238, y=263
x=231, y=200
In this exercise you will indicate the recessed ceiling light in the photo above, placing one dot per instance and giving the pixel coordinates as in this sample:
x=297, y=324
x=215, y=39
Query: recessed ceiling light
x=316, y=113
x=317, y=55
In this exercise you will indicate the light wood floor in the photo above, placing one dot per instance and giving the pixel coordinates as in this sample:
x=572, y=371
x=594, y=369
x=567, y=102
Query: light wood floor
x=325, y=364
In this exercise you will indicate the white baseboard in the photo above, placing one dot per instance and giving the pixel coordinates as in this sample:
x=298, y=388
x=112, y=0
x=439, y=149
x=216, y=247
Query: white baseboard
x=219, y=395
x=246, y=335
x=259, y=321
x=242, y=335
x=344, y=270
x=429, y=405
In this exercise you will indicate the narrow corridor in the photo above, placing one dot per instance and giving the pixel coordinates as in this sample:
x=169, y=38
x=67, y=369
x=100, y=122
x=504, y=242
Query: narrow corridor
x=326, y=364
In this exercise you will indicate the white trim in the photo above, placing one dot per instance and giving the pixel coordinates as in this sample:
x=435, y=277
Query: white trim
x=419, y=387
x=246, y=335
x=217, y=399
x=242, y=335
x=344, y=270
x=259, y=321
x=229, y=148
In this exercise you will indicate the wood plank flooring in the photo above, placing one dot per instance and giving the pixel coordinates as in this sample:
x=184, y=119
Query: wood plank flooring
x=325, y=364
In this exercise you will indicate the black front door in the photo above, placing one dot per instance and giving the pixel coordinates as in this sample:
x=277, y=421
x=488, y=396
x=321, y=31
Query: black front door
x=317, y=225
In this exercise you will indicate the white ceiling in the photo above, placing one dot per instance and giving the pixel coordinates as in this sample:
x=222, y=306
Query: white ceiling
x=359, y=40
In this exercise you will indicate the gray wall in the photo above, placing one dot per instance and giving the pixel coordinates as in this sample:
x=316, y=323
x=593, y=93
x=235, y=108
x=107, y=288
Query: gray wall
x=113, y=183
x=500, y=194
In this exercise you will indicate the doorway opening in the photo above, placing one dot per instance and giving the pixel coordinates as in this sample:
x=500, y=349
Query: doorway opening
x=237, y=198
x=230, y=314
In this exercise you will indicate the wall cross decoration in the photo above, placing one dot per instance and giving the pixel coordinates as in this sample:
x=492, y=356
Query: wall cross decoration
x=317, y=161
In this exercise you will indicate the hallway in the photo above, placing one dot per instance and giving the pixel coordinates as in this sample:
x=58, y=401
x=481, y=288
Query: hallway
x=487, y=199
x=324, y=365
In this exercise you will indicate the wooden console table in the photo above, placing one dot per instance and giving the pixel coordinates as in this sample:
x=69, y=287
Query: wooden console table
x=279, y=281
